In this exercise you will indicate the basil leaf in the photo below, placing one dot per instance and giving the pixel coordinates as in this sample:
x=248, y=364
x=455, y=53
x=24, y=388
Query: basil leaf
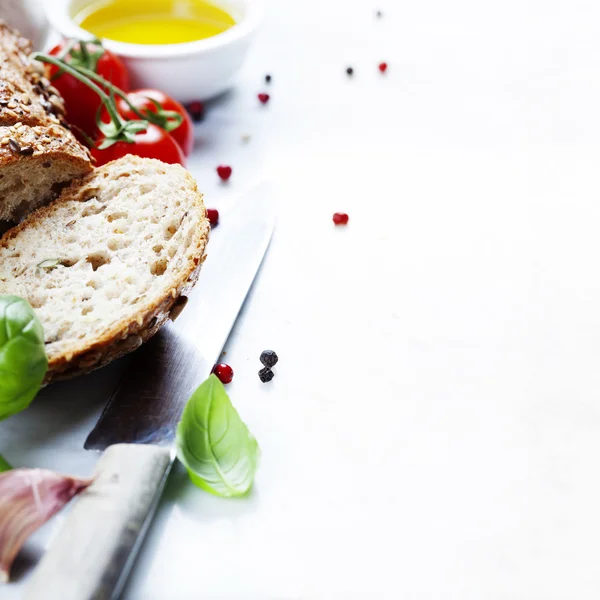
x=23, y=360
x=214, y=444
x=4, y=466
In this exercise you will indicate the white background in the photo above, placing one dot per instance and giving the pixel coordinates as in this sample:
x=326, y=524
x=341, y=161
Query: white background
x=433, y=429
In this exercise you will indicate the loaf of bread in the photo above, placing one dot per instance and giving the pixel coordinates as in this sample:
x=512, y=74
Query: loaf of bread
x=104, y=264
x=38, y=153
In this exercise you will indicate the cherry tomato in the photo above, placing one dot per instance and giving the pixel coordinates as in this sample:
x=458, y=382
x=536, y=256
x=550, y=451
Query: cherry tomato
x=81, y=102
x=142, y=100
x=152, y=143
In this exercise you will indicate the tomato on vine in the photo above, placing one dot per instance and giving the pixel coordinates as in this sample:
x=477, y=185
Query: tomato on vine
x=117, y=135
x=160, y=109
x=81, y=102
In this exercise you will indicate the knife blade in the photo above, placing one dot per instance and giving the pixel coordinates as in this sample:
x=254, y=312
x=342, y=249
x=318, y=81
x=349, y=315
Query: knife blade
x=148, y=404
x=94, y=550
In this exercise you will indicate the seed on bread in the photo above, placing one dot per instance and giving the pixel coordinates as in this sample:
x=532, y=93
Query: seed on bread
x=106, y=263
x=49, y=263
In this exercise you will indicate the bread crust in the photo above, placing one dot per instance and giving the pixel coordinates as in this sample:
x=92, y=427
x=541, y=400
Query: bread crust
x=43, y=143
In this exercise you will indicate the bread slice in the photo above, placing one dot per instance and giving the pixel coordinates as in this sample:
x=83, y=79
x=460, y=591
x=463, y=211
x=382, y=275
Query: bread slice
x=38, y=152
x=35, y=164
x=106, y=262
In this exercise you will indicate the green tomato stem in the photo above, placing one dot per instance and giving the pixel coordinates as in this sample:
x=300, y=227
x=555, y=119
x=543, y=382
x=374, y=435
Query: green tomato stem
x=84, y=51
x=150, y=116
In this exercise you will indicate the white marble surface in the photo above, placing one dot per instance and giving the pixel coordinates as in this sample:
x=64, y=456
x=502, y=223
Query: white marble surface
x=433, y=430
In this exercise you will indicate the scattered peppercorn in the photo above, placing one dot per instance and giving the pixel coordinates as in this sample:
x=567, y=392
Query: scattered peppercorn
x=268, y=78
x=383, y=67
x=264, y=98
x=350, y=71
x=266, y=375
x=340, y=218
x=213, y=216
x=224, y=372
x=269, y=358
x=224, y=172
x=379, y=14
x=196, y=110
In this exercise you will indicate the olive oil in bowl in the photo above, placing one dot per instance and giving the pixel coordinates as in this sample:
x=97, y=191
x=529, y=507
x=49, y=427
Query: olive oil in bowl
x=154, y=21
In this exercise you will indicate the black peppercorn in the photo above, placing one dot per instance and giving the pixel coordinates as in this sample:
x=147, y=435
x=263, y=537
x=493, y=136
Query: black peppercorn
x=350, y=71
x=268, y=78
x=266, y=375
x=269, y=358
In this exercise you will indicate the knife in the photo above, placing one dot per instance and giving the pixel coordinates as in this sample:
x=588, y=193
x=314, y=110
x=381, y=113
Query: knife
x=96, y=547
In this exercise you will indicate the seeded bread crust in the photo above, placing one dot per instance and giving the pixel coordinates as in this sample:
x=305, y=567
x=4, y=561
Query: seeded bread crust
x=20, y=144
x=88, y=198
x=33, y=133
x=26, y=95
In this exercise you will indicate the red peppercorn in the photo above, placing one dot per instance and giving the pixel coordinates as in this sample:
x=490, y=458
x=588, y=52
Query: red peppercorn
x=196, y=110
x=340, y=218
x=213, y=216
x=383, y=67
x=223, y=372
x=224, y=172
x=264, y=98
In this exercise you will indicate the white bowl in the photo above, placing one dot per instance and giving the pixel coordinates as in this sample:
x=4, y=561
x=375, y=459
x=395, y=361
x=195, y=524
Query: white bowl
x=189, y=71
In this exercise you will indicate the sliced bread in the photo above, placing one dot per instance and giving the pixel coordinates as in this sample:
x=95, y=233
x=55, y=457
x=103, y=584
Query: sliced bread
x=35, y=164
x=38, y=153
x=105, y=263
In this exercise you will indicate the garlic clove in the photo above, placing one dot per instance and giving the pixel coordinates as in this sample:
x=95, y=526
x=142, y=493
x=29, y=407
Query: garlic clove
x=29, y=498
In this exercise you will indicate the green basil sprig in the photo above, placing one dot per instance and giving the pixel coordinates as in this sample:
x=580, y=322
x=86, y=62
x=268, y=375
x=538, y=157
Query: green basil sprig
x=214, y=444
x=23, y=360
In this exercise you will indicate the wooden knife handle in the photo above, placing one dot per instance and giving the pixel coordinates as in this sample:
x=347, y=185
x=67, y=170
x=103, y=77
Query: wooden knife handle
x=93, y=551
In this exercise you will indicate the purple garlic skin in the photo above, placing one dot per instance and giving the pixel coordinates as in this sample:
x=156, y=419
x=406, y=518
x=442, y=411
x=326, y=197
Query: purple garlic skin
x=29, y=498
